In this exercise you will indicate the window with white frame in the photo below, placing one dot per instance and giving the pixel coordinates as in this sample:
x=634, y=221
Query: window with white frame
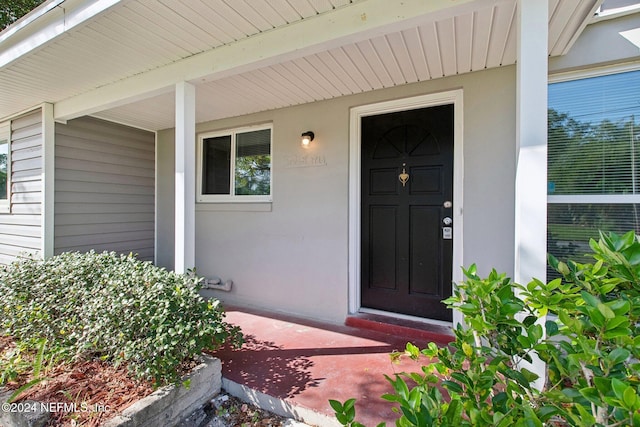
x=235, y=165
x=5, y=166
x=593, y=161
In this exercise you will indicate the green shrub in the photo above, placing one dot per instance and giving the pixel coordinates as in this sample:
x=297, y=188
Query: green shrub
x=591, y=350
x=114, y=307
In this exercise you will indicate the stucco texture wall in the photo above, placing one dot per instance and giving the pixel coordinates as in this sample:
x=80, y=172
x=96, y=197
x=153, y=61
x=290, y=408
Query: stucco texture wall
x=292, y=255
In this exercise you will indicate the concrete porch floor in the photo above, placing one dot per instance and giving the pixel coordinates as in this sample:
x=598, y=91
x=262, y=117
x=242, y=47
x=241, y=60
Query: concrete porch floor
x=293, y=366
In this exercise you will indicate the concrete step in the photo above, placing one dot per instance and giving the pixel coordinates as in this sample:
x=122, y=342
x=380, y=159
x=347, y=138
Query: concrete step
x=422, y=331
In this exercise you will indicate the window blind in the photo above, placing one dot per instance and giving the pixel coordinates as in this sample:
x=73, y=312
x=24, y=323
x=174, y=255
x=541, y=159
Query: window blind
x=593, y=161
x=594, y=137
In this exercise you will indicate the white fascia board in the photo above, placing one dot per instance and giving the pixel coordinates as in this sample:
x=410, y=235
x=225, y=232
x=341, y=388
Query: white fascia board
x=348, y=24
x=27, y=19
x=45, y=24
x=615, y=13
x=583, y=25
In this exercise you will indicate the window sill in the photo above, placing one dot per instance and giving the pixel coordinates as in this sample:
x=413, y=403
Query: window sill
x=233, y=207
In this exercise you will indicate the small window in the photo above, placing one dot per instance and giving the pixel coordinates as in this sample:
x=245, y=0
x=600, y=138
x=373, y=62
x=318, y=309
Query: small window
x=235, y=166
x=5, y=166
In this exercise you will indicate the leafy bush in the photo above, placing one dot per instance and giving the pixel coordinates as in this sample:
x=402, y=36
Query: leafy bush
x=114, y=307
x=591, y=350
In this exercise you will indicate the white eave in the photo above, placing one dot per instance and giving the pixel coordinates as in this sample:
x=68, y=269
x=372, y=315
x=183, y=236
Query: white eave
x=615, y=13
x=120, y=60
x=45, y=23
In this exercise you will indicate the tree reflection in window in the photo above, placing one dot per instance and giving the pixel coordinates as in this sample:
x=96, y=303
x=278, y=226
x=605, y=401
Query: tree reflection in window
x=593, y=161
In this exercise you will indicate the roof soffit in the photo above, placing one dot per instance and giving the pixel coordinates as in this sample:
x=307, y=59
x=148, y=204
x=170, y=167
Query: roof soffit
x=374, y=48
x=358, y=21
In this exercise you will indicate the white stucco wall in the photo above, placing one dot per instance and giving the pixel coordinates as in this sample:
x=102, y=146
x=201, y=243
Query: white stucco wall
x=292, y=255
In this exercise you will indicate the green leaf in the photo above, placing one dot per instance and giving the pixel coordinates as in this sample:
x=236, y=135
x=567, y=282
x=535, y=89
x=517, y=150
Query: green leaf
x=412, y=351
x=591, y=394
x=342, y=419
x=595, y=316
x=620, y=306
x=530, y=376
x=348, y=404
x=618, y=355
x=618, y=387
x=587, y=419
x=453, y=386
x=525, y=342
x=630, y=398
x=23, y=388
x=518, y=376
x=563, y=269
x=511, y=308
x=603, y=385
x=414, y=398
x=467, y=349
x=454, y=412
x=564, y=318
x=618, y=321
x=625, y=241
x=37, y=363
x=606, y=311
x=547, y=412
x=409, y=415
x=617, y=333
x=392, y=397
x=590, y=299
x=551, y=327
x=535, y=332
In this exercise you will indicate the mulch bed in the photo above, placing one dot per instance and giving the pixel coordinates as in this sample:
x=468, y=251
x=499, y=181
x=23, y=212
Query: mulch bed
x=87, y=393
x=98, y=391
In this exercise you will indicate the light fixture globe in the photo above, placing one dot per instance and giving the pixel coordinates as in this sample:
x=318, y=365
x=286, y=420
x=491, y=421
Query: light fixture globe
x=307, y=137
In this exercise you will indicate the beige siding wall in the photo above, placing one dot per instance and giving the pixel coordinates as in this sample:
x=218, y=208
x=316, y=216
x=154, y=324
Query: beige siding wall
x=21, y=228
x=104, y=190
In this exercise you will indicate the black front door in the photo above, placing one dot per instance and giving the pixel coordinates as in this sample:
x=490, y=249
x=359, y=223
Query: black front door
x=407, y=195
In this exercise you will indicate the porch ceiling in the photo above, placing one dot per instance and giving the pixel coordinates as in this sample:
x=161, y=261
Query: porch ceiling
x=136, y=37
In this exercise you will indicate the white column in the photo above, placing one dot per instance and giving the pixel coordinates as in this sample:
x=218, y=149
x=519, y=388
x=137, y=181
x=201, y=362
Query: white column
x=185, y=196
x=48, y=179
x=531, y=148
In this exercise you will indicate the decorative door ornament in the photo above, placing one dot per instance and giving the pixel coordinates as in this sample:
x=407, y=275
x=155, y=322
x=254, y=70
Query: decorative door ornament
x=404, y=176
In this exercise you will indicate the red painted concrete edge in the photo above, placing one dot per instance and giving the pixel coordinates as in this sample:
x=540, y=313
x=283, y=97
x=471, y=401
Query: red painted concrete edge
x=410, y=332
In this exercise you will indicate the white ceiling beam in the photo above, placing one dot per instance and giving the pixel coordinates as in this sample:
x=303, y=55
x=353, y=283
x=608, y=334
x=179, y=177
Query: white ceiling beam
x=348, y=24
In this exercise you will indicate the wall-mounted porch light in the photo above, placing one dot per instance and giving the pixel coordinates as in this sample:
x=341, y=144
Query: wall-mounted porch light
x=307, y=137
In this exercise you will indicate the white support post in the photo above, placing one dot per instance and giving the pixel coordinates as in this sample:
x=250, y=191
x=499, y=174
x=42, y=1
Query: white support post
x=531, y=149
x=185, y=180
x=48, y=180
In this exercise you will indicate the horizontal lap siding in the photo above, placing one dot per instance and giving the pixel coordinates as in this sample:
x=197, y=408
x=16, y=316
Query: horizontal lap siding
x=105, y=188
x=21, y=229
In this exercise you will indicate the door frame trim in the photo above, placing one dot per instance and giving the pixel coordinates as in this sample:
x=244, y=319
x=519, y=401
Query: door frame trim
x=355, y=116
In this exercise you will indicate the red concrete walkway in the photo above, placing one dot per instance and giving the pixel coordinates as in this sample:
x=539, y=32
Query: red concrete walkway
x=302, y=364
